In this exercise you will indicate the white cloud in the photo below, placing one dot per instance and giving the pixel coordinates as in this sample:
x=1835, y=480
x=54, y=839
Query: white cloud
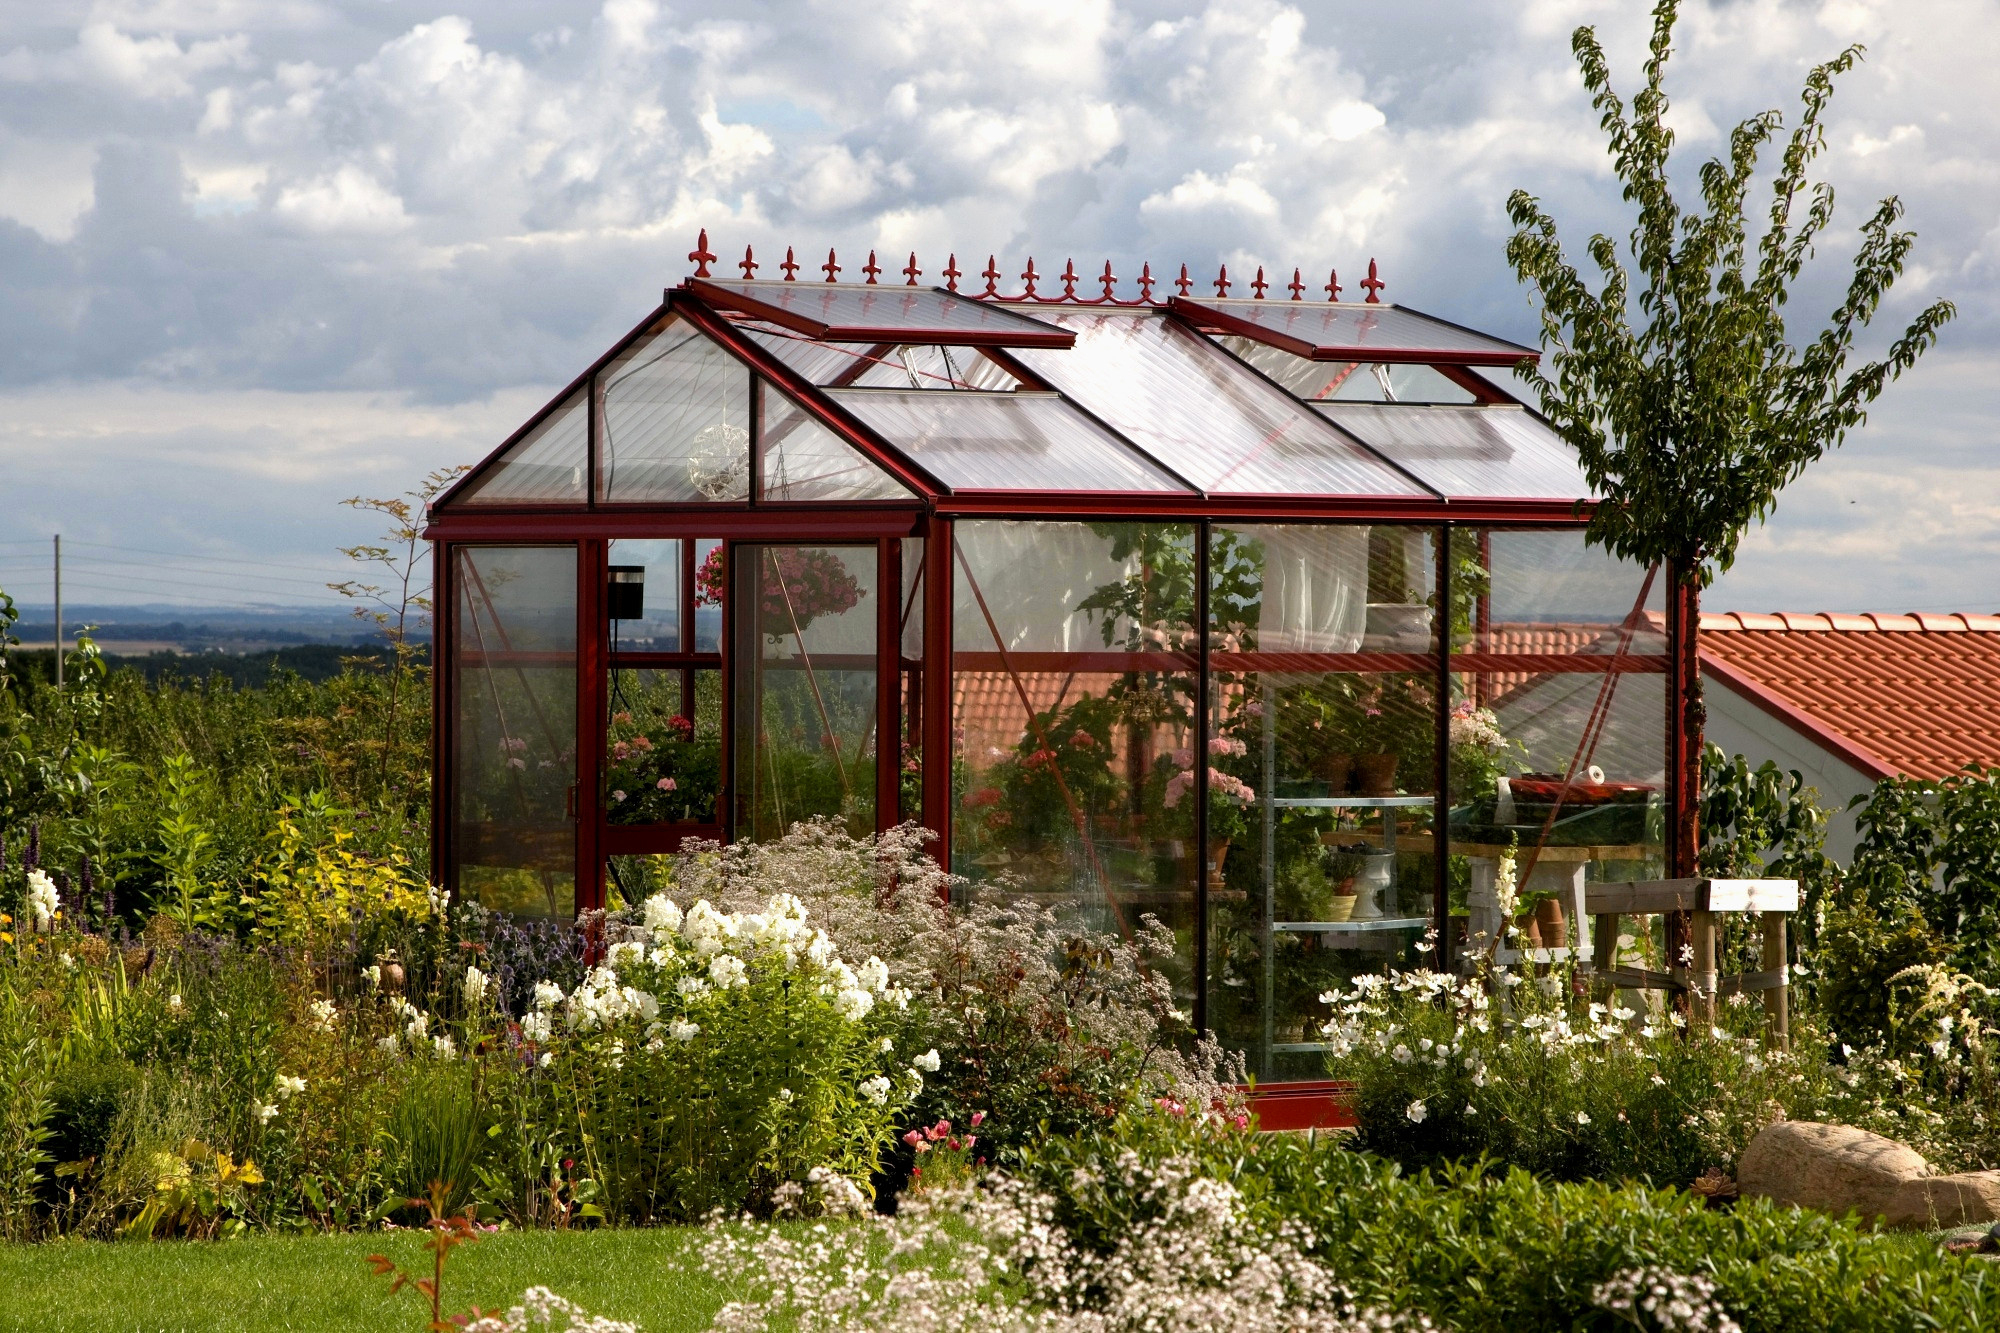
x=296, y=199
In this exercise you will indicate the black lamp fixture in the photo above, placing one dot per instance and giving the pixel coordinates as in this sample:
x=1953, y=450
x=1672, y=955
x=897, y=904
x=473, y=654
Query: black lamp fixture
x=625, y=592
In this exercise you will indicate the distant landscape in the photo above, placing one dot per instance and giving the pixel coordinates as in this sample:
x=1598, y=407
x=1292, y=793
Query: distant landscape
x=191, y=642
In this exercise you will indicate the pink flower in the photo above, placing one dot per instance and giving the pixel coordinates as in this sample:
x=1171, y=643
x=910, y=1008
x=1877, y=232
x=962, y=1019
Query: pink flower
x=978, y=1118
x=912, y=1138
x=668, y=784
x=617, y=796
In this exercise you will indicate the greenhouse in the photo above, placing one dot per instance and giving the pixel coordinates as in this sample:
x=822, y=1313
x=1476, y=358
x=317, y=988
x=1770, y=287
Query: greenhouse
x=1270, y=618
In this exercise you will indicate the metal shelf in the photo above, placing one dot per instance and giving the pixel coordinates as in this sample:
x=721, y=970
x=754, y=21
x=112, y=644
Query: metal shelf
x=1353, y=802
x=1342, y=927
x=1299, y=1047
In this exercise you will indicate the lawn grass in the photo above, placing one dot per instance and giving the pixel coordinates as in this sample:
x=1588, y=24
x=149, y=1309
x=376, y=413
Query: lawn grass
x=310, y=1284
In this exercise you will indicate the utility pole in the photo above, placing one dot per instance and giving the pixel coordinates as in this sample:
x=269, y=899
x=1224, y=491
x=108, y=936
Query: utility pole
x=59, y=652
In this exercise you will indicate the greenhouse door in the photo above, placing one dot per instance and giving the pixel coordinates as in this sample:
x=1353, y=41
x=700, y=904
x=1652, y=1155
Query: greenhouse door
x=807, y=630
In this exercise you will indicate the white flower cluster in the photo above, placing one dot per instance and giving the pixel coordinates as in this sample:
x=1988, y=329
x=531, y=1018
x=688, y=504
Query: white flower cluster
x=42, y=898
x=1675, y=1302
x=541, y=1308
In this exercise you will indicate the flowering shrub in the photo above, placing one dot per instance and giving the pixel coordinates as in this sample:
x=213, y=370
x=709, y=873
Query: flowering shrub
x=652, y=781
x=799, y=584
x=1547, y=1081
x=715, y=1055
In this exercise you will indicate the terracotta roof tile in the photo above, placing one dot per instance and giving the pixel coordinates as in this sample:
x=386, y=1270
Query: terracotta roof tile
x=1920, y=693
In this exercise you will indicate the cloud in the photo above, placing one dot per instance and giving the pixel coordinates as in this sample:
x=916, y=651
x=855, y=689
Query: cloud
x=226, y=199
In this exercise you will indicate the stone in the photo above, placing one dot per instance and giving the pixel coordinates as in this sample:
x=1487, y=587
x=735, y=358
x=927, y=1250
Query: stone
x=1834, y=1168
x=1945, y=1201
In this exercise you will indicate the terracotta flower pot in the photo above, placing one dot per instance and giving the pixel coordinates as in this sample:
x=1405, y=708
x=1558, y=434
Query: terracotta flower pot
x=1218, y=848
x=1375, y=774
x=1549, y=918
x=1335, y=770
x=1527, y=934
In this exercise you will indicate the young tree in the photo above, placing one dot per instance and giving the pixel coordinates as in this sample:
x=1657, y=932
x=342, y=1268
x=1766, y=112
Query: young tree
x=403, y=603
x=1686, y=401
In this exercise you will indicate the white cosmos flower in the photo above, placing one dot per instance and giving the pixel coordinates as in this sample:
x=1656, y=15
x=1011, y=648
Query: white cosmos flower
x=263, y=1111
x=1583, y=1117
x=290, y=1085
x=1417, y=1111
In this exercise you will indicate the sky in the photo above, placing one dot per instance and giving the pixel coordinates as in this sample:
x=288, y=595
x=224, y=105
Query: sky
x=257, y=256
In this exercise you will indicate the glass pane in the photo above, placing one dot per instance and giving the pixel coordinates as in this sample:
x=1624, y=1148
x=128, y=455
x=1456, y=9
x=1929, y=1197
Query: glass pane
x=883, y=365
x=1004, y=441
x=1322, y=775
x=1197, y=410
x=1359, y=381
x=1073, y=692
x=911, y=652
x=711, y=578
x=803, y=460
x=860, y=313
x=676, y=422
x=664, y=760
x=1558, y=730
x=657, y=627
x=1386, y=332
x=514, y=761
x=805, y=620
x=544, y=467
x=1488, y=452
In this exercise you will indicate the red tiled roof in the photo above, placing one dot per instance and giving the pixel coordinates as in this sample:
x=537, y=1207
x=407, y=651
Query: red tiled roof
x=1916, y=695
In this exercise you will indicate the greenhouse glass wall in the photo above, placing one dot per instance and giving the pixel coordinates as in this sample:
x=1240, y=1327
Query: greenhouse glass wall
x=1272, y=620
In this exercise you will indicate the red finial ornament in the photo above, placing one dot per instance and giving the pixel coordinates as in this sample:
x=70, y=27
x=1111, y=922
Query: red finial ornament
x=912, y=272
x=871, y=268
x=1146, y=281
x=1373, y=285
x=699, y=256
x=951, y=274
x=829, y=267
x=1069, y=279
x=1184, y=282
x=992, y=276
x=1029, y=277
x=1222, y=281
x=1296, y=287
x=748, y=265
x=1110, y=283
x=1333, y=284
x=1258, y=284
x=790, y=266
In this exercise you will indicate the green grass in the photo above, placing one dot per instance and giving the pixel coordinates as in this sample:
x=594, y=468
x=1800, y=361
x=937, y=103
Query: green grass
x=305, y=1284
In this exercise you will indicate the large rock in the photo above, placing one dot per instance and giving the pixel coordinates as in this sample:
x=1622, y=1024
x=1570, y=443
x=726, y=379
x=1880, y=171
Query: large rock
x=1830, y=1167
x=1945, y=1201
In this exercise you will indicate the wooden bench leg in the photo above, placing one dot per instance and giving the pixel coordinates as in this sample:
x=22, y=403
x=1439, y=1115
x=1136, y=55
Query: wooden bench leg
x=1604, y=956
x=1778, y=1001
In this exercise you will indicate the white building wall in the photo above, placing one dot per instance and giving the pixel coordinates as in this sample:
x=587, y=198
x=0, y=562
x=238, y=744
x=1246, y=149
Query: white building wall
x=1739, y=726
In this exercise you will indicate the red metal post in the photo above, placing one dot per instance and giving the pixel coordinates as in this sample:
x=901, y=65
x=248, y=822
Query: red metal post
x=937, y=685
x=444, y=697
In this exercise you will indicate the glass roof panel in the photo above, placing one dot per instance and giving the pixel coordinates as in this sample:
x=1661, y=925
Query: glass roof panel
x=545, y=466
x=1353, y=381
x=1496, y=452
x=1348, y=331
x=839, y=312
x=1004, y=441
x=803, y=460
x=676, y=422
x=883, y=365
x=1212, y=420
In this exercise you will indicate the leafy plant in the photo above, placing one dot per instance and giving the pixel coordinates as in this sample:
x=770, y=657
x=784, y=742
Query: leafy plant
x=1690, y=423
x=198, y=1192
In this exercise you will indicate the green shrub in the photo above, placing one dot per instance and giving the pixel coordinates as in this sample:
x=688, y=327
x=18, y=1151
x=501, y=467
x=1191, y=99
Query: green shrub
x=1859, y=951
x=85, y=1100
x=439, y=1128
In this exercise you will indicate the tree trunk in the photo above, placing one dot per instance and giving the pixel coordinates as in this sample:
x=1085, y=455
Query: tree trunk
x=1686, y=715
